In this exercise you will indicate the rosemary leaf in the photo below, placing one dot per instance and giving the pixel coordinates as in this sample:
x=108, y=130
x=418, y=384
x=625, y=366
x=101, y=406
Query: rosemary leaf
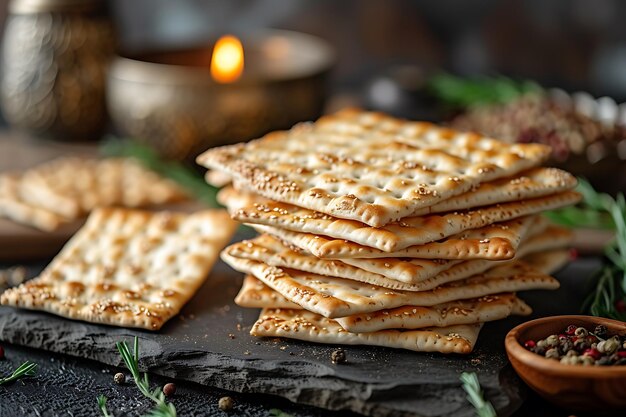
x=24, y=370
x=467, y=92
x=475, y=395
x=102, y=405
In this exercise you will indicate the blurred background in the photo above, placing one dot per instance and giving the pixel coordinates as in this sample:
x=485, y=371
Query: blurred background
x=66, y=74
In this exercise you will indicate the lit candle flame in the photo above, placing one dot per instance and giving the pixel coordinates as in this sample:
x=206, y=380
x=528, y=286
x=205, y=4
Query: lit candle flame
x=227, y=60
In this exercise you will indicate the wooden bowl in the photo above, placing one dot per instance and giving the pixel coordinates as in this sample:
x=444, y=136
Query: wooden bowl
x=573, y=387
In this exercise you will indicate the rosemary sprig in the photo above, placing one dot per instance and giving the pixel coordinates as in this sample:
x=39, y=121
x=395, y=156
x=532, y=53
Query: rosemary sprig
x=600, y=210
x=102, y=405
x=475, y=396
x=26, y=369
x=131, y=360
x=174, y=170
x=465, y=92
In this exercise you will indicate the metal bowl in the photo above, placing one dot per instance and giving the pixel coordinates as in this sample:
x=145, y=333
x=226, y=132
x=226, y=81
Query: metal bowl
x=169, y=100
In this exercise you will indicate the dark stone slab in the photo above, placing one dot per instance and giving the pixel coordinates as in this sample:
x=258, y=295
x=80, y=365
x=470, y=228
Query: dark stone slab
x=199, y=346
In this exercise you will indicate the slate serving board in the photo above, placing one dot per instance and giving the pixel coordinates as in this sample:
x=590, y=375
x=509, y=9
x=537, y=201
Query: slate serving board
x=209, y=344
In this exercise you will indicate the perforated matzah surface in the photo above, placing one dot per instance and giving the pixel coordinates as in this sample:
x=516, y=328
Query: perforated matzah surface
x=128, y=267
x=304, y=325
x=369, y=167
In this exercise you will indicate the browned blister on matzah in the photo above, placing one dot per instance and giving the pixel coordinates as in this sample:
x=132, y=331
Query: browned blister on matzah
x=74, y=186
x=311, y=327
x=477, y=310
x=536, y=182
x=391, y=238
x=337, y=297
x=128, y=267
x=13, y=206
x=369, y=167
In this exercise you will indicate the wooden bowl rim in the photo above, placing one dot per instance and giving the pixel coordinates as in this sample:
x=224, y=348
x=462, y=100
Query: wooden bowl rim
x=515, y=349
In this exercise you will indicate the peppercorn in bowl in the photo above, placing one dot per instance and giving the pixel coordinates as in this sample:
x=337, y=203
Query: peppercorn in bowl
x=573, y=361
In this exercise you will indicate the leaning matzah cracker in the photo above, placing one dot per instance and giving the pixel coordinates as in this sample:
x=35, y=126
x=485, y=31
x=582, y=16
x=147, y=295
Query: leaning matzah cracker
x=13, y=207
x=478, y=310
x=255, y=294
x=74, y=186
x=310, y=327
x=128, y=267
x=537, y=182
x=369, y=167
x=550, y=261
x=271, y=251
x=337, y=297
x=393, y=237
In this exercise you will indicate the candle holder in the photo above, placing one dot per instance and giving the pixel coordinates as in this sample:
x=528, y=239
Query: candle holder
x=169, y=99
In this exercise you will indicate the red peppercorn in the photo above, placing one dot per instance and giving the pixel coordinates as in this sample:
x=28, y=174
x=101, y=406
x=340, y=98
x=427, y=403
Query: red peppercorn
x=529, y=344
x=594, y=353
x=621, y=354
x=573, y=254
x=169, y=389
x=571, y=329
x=620, y=305
x=1, y=352
x=591, y=339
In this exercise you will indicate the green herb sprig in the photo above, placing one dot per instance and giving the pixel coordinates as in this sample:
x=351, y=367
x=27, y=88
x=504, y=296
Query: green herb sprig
x=600, y=210
x=26, y=369
x=102, y=405
x=467, y=92
x=131, y=360
x=475, y=396
x=174, y=170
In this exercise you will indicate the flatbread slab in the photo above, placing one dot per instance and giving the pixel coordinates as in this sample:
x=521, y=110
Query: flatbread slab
x=478, y=310
x=337, y=297
x=128, y=268
x=311, y=327
x=368, y=166
x=393, y=237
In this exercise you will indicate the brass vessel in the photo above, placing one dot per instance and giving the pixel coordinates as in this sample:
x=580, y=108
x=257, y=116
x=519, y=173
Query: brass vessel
x=55, y=56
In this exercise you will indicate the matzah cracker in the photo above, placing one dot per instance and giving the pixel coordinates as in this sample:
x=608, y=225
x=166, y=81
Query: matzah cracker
x=369, y=167
x=255, y=294
x=496, y=242
x=74, y=186
x=337, y=297
x=310, y=327
x=478, y=310
x=394, y=237
x=537, y=182
x=548, y=261
x=128, y=268
x=271, y=251
x=13, y=207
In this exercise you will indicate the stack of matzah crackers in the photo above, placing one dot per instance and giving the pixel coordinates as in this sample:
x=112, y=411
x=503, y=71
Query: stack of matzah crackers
x=379, y=231
x=66, y=189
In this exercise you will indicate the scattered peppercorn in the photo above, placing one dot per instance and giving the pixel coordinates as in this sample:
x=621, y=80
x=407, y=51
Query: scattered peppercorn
x=225, y=404
x=579, y=346
x=338, y=356
x=119, y=378
x=169, y=389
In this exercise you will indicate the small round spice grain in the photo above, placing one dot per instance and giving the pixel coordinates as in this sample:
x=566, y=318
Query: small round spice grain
x=169, y=389
x=338, y=356
x=119, y=378
x=225, y=404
